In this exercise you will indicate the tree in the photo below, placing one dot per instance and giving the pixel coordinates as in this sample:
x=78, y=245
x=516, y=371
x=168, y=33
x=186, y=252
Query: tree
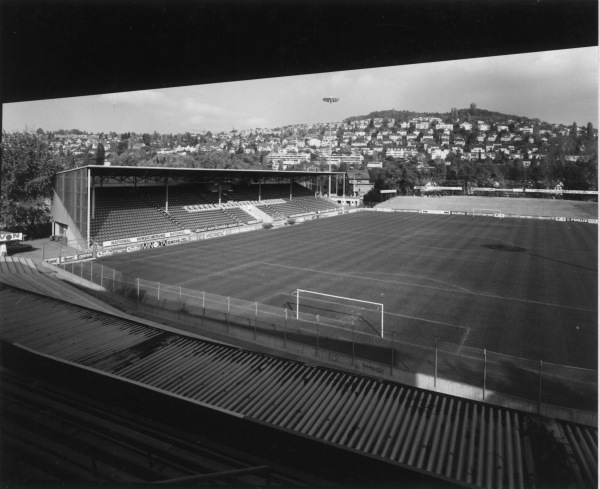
x=574, y=129
x=590, y=131
x=28, y=170
x=100, y=154
x=122, y=146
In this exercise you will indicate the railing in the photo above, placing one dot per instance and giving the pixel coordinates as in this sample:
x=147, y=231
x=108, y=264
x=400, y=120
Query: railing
x=473, y=373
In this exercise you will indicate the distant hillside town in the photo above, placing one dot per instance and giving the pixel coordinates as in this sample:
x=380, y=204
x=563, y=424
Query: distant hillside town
x=399, y=149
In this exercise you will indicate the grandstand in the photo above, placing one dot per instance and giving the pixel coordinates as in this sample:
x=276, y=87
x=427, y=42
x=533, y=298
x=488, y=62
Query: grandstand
x=97, y=204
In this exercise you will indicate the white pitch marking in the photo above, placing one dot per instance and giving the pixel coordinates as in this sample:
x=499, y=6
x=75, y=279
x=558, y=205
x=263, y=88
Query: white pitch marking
x=220, y=272
x=463, y=339
x=465, y=291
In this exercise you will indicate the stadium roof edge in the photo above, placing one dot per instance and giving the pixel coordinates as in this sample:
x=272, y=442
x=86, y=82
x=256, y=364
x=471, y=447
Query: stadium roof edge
x=223, y=172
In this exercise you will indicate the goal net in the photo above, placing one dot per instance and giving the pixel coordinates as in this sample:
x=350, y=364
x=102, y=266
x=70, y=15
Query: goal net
x=488, y=212
x=338, y=311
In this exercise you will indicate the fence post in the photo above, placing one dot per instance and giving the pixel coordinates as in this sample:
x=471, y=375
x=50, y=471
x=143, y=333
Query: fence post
x=180, y=295
x=101, y=274
x=255, y=315
x=392, y=371
x=353, y=345
x=436, y=365
x=138, y=289
x=81, y=269
x=285, y=329
x=113, y=287
x=484, y=370
x=92, y=271
x=157, y=291
x=317, y=340
x=540, y=393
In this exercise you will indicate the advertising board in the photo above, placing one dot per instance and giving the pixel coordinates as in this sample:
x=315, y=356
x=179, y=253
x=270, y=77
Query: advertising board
x=577, y=219
x=139, y=239
x=212, y=234
x=7, y=236
x=70, y=258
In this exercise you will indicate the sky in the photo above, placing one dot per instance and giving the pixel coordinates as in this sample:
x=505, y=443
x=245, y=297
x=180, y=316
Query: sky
x=554, y=86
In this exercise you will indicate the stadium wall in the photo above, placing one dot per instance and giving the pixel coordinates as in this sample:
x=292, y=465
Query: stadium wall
x=61, y=217
x=70, y=203
x=479, y=214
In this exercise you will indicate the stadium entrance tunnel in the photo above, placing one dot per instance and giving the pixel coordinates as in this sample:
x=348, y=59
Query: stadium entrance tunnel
x=504, y=247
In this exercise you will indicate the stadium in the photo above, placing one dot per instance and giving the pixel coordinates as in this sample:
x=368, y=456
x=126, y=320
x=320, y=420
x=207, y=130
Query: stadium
x=437, y=341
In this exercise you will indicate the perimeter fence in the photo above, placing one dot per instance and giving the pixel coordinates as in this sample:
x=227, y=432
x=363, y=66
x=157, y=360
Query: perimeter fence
x=452, y=368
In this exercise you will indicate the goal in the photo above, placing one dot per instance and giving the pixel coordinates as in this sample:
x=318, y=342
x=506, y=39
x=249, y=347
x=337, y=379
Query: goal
x=488, y=213
x=338, y=311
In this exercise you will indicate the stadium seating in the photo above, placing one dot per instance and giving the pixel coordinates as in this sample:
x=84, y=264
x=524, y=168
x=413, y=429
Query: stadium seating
x=122, y=212
x=207, y=214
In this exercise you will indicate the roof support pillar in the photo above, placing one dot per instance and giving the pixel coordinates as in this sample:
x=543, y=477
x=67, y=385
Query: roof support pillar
x=88, y=184
x=336, y=185
x=291, y=183
x=259, y=189
x=219, y=191
x=93, y=200
x=167, y=195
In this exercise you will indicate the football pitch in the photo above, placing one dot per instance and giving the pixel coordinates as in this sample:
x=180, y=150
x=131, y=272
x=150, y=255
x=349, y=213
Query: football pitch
x=520, y=287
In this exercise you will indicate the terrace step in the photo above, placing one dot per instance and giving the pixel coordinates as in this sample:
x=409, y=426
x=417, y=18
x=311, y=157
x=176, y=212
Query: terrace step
x=257, y=213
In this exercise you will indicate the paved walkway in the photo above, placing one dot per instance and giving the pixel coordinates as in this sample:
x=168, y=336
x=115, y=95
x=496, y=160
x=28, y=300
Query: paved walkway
x=29, y=249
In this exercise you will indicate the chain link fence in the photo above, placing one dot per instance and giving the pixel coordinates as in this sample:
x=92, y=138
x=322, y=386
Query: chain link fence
x=474, y=373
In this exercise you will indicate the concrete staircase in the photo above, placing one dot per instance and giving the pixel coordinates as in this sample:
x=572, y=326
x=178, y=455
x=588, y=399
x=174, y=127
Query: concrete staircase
x=256, y=213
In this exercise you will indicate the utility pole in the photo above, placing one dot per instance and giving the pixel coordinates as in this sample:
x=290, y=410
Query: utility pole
x=330, y=100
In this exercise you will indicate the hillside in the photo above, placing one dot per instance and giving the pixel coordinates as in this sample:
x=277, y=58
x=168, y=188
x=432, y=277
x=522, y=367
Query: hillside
x=463, y=115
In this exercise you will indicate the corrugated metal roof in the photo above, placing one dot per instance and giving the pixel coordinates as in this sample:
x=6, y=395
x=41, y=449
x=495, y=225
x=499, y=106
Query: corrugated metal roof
x=466, y=441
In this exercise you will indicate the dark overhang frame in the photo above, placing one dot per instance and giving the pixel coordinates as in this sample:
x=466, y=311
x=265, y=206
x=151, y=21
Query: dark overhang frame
x=136, y=174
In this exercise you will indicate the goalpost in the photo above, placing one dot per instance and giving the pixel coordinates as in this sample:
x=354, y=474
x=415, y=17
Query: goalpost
x=488, y=213
x=345, y=306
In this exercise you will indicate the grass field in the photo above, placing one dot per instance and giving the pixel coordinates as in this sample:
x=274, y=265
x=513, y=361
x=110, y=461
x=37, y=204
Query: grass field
x=520, y=287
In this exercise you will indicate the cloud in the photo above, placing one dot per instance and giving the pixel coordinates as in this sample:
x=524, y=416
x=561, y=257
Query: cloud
x=142, y=97
x=191, y=105
x=254, y=122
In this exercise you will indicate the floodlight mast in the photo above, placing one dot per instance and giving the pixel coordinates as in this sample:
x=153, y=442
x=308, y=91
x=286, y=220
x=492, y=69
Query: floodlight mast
x=330, y=100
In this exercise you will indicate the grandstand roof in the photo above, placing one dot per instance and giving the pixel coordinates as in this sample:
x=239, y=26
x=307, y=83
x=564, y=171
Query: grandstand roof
x=156, y=171
x=452, y=439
